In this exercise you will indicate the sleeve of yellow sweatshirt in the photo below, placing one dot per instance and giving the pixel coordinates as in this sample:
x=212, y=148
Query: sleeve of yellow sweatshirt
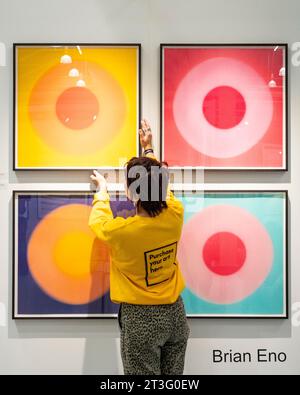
x=173, y=203
x=101, y=220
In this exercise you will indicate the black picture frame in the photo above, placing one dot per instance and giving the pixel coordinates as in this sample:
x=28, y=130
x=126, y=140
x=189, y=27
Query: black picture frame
x=285, y=46
x=182, y=192
x=138, y=46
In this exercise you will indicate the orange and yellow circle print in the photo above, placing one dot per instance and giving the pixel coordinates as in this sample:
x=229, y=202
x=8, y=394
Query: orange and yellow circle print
x=79, y=113
x=65, y=258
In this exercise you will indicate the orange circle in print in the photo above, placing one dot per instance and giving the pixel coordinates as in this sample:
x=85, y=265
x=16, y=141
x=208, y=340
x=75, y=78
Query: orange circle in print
x=77, y=108
x=54, y=104
x=66, y=259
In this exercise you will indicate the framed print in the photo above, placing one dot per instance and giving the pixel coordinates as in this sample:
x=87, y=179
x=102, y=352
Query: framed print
x=76, y=106
x=61, y=270
x=224, y=106
x=233, y=254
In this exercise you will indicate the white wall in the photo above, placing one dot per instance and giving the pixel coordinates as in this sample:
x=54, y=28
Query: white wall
x=83, y=346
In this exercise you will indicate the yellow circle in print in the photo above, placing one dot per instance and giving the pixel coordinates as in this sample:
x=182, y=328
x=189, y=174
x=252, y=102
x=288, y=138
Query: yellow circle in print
x=66, y=259
x=56, y=103
x=72, y=254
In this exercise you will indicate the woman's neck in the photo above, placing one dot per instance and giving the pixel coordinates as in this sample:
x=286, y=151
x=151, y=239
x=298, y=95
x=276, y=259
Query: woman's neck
x=141, y=212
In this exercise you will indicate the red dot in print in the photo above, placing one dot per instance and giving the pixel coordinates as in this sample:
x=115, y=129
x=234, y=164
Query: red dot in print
x=77, y=108
x=224, y=107
x=224, y=253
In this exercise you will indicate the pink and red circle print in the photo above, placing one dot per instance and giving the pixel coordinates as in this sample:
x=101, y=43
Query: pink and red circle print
x=218, y=108
x=205, y=136
x=225, y=254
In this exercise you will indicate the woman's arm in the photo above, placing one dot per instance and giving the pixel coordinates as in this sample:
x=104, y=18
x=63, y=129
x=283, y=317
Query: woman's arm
x=101, y=219
x=146, y=143
x=101, y=214
x=146, y=139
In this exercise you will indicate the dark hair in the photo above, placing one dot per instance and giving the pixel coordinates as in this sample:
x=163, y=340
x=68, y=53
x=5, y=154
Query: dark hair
x=153, y=177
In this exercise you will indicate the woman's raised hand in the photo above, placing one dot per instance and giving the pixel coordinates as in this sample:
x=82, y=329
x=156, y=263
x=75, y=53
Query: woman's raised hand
x=99, y=181
x=145, y=135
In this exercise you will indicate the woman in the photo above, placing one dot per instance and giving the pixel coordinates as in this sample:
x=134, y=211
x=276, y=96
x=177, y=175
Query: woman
x=145, y=277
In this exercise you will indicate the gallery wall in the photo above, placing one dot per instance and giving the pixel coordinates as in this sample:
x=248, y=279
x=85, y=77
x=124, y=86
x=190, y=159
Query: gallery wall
x=92, y=346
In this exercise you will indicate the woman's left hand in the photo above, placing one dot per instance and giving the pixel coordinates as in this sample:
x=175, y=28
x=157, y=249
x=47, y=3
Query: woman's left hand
x=99, y=180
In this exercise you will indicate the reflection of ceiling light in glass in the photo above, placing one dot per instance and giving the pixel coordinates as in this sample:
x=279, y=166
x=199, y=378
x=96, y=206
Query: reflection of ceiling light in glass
x=94, y=117
x=66, y=59
x=73, y=73
x=282, y=72
x=79, y=49
x=67, y=120
x=272, y=84
x=81, y=83
x=275, y=49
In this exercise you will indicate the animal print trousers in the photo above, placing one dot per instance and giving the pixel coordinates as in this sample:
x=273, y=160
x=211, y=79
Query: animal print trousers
x=153, y=338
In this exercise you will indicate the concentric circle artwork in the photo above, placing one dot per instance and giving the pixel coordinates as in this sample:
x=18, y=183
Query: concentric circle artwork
x=232, y=254
x=72, y=266
x=76, y=106
x=235, y=249
x=220, y=109
x=61, y=269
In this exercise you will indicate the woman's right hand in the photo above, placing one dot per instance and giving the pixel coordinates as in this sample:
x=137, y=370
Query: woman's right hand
x=99, y=180
x=145, y=135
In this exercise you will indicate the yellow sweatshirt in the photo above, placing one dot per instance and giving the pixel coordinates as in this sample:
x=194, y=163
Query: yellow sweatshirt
x=144, y=269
